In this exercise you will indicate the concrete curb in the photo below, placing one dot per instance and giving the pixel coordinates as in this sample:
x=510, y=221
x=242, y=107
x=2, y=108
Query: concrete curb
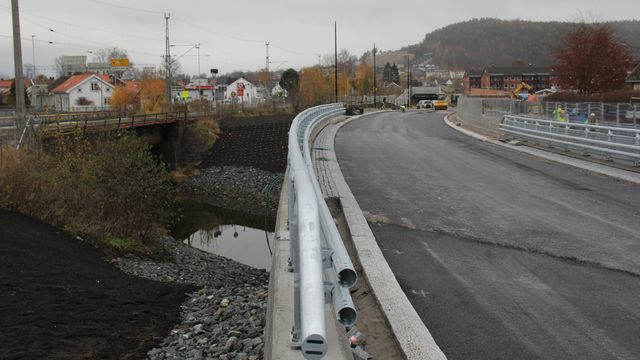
x=411, y=334
x=581, y=164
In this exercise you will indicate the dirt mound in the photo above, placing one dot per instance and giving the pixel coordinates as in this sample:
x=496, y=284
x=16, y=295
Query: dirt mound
x=61, y=300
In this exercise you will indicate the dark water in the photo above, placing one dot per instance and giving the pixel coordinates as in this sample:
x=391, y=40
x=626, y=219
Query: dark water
x=239, y=236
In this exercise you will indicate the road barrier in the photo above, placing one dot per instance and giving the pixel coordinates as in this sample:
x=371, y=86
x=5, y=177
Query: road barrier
x=318, y=258
x=619, y=142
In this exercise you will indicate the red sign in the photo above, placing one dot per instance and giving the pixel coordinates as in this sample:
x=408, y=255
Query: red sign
x=240, y=87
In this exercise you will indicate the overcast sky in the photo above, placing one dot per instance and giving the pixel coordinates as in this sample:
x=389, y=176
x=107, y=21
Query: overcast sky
x=233, y=33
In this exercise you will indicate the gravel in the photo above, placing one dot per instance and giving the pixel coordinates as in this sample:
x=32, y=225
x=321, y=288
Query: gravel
x=237, y=188
x=225, y=319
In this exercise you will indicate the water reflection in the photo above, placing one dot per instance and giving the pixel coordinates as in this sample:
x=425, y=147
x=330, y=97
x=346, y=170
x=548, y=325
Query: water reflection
x=240, y=236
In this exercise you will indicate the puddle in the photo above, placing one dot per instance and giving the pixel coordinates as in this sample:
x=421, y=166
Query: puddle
x=242, y=237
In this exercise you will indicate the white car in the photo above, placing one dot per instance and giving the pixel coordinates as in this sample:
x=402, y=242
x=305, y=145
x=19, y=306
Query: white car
x=424, y=104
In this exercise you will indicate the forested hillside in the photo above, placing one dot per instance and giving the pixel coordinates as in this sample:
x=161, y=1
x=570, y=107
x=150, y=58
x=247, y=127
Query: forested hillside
x=484, y=42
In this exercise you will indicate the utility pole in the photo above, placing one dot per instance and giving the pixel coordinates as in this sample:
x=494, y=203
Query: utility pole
x=167, y=63
x=17, y=60
x=33, y=53
x=408, y=84
x=335, y=32
x=198, y=47
x=375, y=93
x=268, y=84
x=319, y=64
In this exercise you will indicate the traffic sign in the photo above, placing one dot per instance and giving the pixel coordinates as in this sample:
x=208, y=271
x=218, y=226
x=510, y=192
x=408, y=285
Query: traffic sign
x=120, y=63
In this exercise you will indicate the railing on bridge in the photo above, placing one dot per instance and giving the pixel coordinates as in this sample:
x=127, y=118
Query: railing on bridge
x=53, y=124
x=619, y=142
x=319, y=260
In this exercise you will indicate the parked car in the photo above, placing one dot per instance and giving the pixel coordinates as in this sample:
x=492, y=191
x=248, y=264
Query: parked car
x=424, y=104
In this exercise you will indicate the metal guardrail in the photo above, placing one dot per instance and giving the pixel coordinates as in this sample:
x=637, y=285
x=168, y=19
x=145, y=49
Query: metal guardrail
x=318, y=257
x=610, y=141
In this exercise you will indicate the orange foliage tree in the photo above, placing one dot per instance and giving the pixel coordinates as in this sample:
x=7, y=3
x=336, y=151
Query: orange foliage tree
x=153, y=98
x=125, y=99
x=313, y=87
x=364, y=79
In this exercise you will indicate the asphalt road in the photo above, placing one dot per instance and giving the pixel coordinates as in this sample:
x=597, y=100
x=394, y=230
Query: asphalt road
x=503, y=255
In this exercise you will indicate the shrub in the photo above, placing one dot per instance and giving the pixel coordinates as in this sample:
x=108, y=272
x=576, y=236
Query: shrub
x=110, y=187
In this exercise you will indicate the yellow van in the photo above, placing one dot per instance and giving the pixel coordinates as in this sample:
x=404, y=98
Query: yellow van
x=441, y=104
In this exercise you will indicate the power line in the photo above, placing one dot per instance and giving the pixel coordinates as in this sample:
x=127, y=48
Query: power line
x=217, y=33
x=110, y=32
x=125, y=7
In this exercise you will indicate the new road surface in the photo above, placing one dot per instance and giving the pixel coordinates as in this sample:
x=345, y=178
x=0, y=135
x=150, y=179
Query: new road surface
x=502, y=254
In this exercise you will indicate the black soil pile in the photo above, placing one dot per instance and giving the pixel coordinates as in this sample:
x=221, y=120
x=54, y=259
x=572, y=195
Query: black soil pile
x=61, y=300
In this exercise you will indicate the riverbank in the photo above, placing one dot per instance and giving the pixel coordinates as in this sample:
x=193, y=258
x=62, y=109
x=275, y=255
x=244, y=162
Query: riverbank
x=224, y=319
x=244, y=188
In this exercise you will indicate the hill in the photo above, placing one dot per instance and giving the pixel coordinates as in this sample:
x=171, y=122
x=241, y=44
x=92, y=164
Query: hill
x=483, y=42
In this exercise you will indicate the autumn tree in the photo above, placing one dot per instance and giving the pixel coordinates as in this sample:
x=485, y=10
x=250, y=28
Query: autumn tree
x=153, y=97
x=592, y=59
x=125, y=99
x=364, y=79
x=314, y=87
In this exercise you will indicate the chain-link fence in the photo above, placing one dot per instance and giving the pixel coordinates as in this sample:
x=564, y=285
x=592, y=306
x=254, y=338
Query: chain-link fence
x=485, y=114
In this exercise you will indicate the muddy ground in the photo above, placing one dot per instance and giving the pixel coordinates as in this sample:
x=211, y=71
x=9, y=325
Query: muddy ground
x=61, y=300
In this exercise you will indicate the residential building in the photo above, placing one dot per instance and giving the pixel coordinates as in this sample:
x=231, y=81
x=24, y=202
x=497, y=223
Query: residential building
x=83, y=92
x=5, y=89
x=503, y=80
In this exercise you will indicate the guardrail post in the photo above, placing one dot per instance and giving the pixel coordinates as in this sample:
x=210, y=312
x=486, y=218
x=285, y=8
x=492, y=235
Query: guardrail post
x=635, y=116
x=618, y=114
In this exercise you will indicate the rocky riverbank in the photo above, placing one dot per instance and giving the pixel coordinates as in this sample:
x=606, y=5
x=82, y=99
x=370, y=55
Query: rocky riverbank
x=249, y=189
x=225, y=319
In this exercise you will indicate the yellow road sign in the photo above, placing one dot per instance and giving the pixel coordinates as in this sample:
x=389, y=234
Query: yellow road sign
x=120, y=62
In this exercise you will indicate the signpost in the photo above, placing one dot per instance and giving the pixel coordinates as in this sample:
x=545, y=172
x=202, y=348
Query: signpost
x=240, y=87
x=120, y=63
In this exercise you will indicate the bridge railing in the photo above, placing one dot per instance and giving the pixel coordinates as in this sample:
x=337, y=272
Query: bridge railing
x=610, y=141
x=318, y=258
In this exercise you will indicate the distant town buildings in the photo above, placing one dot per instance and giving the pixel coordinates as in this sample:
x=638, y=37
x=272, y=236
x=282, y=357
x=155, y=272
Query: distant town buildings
x=634, y=78
x=501, y=81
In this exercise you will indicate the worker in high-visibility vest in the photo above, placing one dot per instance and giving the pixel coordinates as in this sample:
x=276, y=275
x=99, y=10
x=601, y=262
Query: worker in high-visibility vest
x=559, y=114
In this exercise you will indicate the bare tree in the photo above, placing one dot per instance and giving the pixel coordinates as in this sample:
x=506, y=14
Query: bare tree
x=106, y=54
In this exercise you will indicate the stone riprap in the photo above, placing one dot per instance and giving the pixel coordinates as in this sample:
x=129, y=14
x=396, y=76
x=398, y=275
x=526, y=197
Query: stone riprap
x=225, y=319
x=238, y=188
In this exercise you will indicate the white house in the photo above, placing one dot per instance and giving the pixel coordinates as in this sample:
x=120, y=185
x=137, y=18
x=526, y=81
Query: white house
x=278, y=91
x=84, y=92
x=249, y=96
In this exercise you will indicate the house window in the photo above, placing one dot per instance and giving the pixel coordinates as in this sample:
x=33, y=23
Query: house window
x=79, y=89
x=95, y=86
x=513, y=86
x=108, y=89
x=106, y=101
